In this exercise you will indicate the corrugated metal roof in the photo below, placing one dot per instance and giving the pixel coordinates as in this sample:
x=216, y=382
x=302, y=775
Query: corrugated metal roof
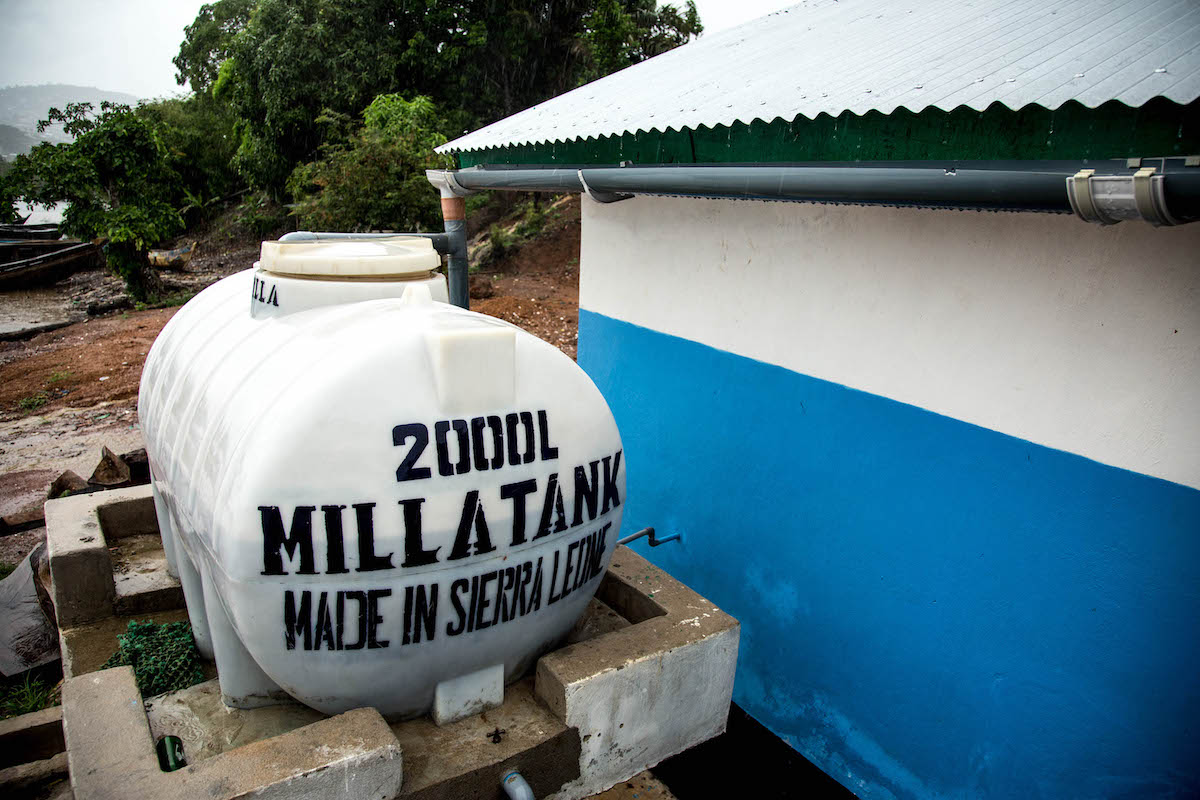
x=830, y=56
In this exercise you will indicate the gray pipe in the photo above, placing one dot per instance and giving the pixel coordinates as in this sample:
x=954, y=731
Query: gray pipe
x=441, y=242
x=1023, y=186
x=456, y=262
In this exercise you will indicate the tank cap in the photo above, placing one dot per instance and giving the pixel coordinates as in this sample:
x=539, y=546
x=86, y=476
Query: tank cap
x=352, y=258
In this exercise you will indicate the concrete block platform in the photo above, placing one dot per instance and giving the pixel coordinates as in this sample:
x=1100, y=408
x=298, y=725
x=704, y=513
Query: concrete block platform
x=647, y=673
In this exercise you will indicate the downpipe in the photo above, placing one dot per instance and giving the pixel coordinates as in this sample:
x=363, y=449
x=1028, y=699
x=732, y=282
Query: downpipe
x=515, y=787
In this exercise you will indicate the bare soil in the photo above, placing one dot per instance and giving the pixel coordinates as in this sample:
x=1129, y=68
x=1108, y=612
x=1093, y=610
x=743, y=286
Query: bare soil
x=65, y=393
x=537, y=287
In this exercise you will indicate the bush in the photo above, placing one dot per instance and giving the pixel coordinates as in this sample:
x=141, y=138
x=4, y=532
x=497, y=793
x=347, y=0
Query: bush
x=374, y=179
x=200, y=141
x=118, y=183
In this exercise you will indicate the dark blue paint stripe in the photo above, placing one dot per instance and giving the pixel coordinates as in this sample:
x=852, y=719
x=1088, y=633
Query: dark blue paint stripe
x=929, y=608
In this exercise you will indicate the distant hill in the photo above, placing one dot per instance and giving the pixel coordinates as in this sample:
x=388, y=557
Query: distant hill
x=14, y=140
x=23, y=106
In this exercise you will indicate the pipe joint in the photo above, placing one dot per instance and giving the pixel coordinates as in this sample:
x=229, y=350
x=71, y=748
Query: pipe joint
x=1109, y=199
x=446, y=184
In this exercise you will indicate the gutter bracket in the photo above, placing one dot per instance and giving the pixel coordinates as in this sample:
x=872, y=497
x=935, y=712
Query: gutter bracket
x=598, y=196
x=1109, y=199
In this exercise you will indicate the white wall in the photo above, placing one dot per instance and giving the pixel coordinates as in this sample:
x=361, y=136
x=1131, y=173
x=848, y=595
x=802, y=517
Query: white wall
x=1041, y=326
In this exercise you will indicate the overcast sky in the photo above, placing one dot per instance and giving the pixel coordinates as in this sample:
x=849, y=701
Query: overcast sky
x=127, y=45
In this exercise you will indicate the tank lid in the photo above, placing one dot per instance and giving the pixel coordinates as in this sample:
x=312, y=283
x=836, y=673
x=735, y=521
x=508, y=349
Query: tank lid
x=352, y=258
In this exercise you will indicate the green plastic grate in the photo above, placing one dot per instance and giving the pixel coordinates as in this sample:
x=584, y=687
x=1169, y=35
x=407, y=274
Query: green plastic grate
x=163, y=657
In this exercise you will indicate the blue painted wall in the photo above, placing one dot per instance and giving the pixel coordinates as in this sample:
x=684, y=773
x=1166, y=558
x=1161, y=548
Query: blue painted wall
x=929, y=608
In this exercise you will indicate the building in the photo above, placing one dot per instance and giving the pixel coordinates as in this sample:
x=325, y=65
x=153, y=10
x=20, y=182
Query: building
x=936, y=446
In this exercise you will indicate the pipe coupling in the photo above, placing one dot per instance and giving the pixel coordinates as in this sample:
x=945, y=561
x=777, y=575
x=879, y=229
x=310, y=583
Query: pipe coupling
x=1109, y=199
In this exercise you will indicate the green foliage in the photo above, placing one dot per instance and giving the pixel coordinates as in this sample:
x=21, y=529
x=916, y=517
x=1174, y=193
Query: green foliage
x=286, y=67
x=206, y=42
x=619, y=34
x=33, y=402
x=259, y=215
x=200, y=140
x=25, y=695
x=118, y=182
x=172, y=300
x=6, y=569
x=375, y=178
x=8, y=195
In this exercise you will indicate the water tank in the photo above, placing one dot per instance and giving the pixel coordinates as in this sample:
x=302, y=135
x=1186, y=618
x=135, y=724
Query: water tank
x=373, y=498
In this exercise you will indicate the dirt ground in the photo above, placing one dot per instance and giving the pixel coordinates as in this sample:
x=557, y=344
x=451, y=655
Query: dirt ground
x=537, y=287
x=67, y=392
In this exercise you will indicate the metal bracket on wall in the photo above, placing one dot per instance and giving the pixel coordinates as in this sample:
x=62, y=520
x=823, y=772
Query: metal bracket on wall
x=1109, y=199
x=601, y=197
x=649, y=533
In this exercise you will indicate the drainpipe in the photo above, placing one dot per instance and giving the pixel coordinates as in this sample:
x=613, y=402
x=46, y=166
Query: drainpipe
x=515, y=787
x=454, y=213
x=1163, y=191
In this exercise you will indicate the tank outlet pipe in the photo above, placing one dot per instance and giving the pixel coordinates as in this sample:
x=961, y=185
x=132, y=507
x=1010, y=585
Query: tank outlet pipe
x=994, y=186
x=454, y=215
x=441, y=242
x=515, y=787
x=649, y=533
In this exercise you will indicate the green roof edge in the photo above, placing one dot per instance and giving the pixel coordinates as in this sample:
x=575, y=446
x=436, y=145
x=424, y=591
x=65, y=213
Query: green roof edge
x=1160, y=127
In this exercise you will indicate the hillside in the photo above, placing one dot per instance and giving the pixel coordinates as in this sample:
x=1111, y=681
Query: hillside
x=14, y=140
x=23, y=106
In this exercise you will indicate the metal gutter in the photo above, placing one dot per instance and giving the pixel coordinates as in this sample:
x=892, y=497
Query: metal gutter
x=995, y=186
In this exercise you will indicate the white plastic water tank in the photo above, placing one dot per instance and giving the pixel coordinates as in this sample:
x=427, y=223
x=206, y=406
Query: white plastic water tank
x=384, y=502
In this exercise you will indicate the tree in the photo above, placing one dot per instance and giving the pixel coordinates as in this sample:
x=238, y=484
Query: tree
x=206, y=42
x=376, y=180
x=117, y=181
x=293, y=61
x=8, y=195
x=621, y=33
x=200, y=140
x=297, y=58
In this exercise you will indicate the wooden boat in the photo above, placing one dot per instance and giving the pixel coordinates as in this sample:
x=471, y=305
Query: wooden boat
x=48, y=231
x=21, y=249
x=172, y=259
x=48, y=267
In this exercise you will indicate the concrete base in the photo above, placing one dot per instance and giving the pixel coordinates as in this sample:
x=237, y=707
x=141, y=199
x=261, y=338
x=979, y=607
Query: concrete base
x=88, y=585
x=32, y=753
x=647, y=673
x=111, y=753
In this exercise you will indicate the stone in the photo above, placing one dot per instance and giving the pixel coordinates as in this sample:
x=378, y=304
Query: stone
x=67, y=483
x=27, y=518
x=139, y=465
x=111, y=471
